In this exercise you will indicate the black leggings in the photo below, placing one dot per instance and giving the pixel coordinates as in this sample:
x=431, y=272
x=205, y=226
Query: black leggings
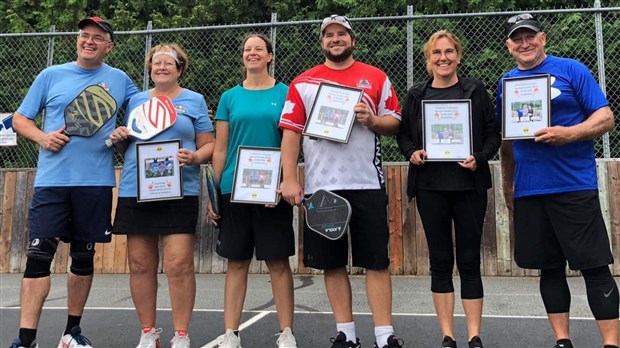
x=601, y=288
x=438, y=209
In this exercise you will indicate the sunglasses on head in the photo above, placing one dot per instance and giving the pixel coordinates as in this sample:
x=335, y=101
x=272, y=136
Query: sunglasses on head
x=336, y=18
x=518, y=18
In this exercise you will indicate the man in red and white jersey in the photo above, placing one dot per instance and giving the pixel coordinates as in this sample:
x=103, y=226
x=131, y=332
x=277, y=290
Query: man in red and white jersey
x=351, y=170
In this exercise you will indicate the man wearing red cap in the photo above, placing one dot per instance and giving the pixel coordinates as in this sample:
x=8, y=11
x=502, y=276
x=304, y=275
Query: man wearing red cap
x=351, y=170
x=71, y=201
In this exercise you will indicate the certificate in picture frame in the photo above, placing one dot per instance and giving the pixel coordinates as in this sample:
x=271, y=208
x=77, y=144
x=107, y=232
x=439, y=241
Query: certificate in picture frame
x=526, y=106
x=257, y=175
x=332, y=116
x=446, y=128
x=160, y=176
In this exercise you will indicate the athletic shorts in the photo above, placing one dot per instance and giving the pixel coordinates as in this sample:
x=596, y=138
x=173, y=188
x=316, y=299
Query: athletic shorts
x=156, y=217
x=245, y=227
x=369, y=235
x=71, y=213
x=553, y=229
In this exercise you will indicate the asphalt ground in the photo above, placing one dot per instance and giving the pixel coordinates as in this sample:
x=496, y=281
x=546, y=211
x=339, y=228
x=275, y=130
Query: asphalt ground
x=513, y=313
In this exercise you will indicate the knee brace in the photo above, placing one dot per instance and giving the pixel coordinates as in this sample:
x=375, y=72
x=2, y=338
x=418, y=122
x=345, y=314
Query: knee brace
x=82, y=255
x=602, y=291
x=39, y=257
x=554, y=290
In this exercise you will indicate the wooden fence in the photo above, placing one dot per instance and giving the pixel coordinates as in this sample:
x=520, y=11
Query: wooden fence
x=408, y=250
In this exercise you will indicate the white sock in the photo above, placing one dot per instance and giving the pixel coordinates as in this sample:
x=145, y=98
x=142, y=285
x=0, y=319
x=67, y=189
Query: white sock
x=382, y=333
x=348, y=329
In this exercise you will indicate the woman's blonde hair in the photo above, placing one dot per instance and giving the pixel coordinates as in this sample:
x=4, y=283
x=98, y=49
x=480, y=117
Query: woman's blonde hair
x=428, y=46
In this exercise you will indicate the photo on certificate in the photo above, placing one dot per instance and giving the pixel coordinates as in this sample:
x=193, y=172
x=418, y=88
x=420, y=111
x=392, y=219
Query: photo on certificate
x=447, y=129
x=160, y=176
x=526, y=106
x=332, y=116
x=257, y=175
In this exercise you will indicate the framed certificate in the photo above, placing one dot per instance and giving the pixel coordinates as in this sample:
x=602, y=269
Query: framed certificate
x=257, y=175
x=526, y=106
x=332, y=116
x=446, y=128
x=160, y=177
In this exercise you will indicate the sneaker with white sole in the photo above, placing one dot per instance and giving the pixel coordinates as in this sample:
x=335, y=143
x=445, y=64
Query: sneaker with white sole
x=149, y=338
x=74, y=339
x=180, y=341
x=286, y=339
x=229, y=340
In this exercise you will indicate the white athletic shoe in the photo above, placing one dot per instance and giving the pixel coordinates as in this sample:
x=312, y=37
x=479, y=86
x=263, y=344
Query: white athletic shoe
x=150, y=338
x=229, y=340
x=180, y=341
x=74, y=339
x=286, y=339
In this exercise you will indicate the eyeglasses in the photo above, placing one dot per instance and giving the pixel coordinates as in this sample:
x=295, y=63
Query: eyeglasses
x=518, y=18
x=98, y=39
x=448, y=52
x=164, y=63
x=336, y=18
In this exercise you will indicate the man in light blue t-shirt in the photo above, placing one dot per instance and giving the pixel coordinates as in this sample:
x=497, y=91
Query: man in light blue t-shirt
x=72, y=198
x=557, y=213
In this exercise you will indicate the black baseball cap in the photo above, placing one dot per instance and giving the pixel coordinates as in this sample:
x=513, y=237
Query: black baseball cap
x=102, y=23
x=524, y=20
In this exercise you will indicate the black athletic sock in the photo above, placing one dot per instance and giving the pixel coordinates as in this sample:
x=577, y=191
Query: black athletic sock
x=236, y=332
x=72, y=320
x=27, y=336
x=610, y=346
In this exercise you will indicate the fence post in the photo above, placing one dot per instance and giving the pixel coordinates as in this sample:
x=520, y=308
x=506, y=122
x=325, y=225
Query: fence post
x=409, y=47
x=147, y=47
x=50, y=46
x=274, y=20
x=600, y=55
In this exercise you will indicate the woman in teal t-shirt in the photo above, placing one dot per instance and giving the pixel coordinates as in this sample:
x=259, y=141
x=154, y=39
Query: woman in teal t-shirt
x=248, y=114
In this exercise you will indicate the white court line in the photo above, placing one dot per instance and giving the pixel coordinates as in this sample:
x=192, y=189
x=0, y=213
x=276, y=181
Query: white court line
x=252, y=320
x=261, y=314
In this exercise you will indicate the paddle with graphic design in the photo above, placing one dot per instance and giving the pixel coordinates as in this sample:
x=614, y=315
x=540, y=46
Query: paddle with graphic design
x=150, y=118
x=213, y=187
x=89, y=111
x=327, y=213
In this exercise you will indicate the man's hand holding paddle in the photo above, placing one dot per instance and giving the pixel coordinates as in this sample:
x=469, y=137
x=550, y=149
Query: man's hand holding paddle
x=54, y=141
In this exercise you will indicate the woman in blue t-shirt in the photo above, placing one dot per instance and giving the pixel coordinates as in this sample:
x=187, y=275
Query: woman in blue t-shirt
x=173, y=222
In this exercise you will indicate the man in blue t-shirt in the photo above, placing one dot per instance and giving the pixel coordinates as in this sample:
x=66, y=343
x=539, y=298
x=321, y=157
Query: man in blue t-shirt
x=557, y=214
x=72, y=198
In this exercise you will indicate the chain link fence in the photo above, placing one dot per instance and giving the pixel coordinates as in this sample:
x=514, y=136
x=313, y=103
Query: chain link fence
x=393, y=44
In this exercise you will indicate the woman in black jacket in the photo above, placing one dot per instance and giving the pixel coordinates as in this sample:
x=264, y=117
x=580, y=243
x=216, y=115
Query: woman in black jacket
x=451, y=191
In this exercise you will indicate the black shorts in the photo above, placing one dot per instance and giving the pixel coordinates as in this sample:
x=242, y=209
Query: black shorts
x=553, y=229
x=71, y=213
x=369, y=235
x=245, y=227
x=157, y=217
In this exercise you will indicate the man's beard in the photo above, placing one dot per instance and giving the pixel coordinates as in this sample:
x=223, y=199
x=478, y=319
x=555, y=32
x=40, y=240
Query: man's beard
x=340, y=57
